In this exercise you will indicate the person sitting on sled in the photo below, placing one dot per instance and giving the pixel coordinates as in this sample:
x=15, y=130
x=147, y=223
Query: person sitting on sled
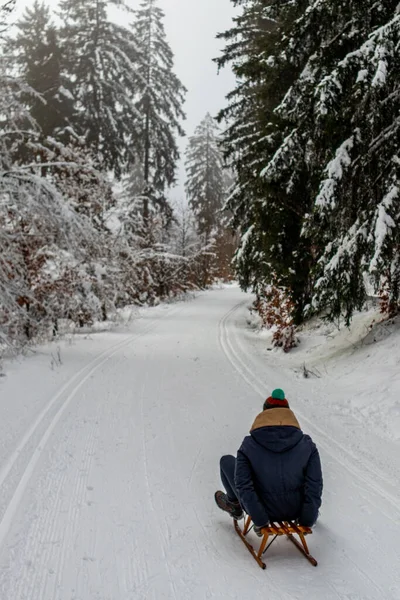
x=277, y=473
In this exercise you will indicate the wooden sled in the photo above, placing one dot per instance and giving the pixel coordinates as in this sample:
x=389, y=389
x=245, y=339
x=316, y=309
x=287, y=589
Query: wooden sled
x=276, y=529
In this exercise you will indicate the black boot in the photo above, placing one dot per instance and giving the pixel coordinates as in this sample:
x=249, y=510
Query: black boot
x=232, y=508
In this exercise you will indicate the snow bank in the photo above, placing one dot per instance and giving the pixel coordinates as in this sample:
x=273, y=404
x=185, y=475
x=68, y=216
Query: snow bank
x=358, y=368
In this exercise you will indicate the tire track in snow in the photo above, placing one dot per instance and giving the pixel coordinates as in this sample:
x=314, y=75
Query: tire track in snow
x=258, y=386
x=79, y=379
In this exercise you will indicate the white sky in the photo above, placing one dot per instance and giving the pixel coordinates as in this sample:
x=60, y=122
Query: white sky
x=191, y=27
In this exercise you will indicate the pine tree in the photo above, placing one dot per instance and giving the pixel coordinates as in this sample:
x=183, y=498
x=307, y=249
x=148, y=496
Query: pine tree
x=343, y=108
x=267, y=210
x=205, y=185
x=160, y=96
x=36, y=53
x=313, y=136
x=358, y=203
x=126, y=216
x=100, y=67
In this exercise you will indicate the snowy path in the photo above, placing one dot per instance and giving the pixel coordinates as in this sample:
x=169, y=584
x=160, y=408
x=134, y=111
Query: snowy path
x=106, y=492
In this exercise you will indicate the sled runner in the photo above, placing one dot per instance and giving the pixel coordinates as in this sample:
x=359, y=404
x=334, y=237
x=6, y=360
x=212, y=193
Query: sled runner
x=275, y=529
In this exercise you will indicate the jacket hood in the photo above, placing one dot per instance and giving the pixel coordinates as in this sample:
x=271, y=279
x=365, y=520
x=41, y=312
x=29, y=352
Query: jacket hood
x=277, y=439
x=277, y=430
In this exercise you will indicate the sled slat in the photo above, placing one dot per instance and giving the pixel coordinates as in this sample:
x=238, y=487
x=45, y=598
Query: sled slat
x=274, y=529
x=287, y=528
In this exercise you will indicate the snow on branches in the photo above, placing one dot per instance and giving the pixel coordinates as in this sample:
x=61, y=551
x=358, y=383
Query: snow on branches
x=207, y=186
x=313, y=134
x=72, y=125
x=335, y=171
x=360, y=195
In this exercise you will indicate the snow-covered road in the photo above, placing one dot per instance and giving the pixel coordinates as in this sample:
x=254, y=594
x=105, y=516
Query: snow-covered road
x=107, y=476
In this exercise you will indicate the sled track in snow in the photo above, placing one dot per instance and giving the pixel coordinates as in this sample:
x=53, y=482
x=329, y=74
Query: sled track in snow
x=237, y=359
x=66, y=395
x=345, y=457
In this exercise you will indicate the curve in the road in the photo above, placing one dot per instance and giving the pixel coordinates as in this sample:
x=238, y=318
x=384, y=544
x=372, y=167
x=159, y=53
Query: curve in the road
x=238, y=362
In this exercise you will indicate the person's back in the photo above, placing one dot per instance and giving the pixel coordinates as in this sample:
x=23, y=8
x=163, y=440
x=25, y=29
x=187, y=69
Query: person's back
x=277, y=474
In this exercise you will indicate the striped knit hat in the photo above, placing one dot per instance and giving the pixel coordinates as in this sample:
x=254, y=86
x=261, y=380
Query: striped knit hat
x=276, y=399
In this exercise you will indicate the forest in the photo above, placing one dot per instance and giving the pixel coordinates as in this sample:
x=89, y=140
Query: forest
x=296, y=178
x=90, y=117
x=313, y=135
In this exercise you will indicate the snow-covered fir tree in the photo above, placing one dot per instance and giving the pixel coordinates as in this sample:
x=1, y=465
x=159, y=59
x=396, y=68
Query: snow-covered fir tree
x=353, y=80
x=99, y=63
x=340, y=126
x=36, y=53
x=267, y=214
x=205, y=184
x=313, y=138
x=159, y=100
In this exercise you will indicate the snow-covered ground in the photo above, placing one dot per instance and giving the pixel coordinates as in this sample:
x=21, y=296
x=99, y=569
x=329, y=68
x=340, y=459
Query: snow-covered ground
x=109, y=456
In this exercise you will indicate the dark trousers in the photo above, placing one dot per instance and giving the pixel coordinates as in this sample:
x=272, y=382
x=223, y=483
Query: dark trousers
x=227, y=465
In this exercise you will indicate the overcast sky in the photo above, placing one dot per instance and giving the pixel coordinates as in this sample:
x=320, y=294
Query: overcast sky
x=191, y=27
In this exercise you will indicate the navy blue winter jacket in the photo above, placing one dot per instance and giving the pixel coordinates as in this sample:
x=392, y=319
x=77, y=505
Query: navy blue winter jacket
x=278, y=471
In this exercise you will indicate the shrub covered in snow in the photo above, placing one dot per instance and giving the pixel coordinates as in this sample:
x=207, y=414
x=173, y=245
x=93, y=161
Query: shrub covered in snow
x=276, y=311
